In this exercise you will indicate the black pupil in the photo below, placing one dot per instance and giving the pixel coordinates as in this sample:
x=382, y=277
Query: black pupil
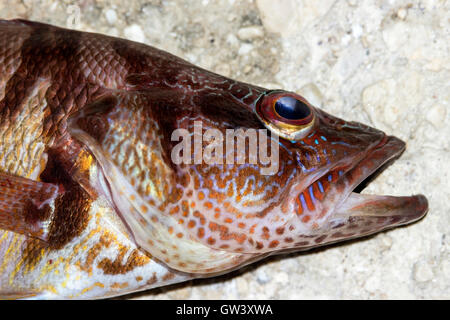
x=291, y=108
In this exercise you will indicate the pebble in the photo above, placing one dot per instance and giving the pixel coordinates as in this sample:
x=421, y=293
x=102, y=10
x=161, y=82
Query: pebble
x=386, y=241
x=250, y=33
x=277, y=16
x=111, y=16
x=401, y=13
x=396, y=36
x=262, y=277
x=345, y=40
x=357, y=31
x=134, y=32
x=245, y=48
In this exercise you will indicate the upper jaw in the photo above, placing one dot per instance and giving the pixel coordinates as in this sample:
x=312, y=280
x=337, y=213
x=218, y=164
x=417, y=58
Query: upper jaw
x=389, y=148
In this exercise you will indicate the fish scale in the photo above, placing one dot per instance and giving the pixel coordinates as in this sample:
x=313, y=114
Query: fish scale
x=86, y=125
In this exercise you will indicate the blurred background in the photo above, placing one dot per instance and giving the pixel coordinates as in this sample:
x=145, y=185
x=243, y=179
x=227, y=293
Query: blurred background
x=385, y=63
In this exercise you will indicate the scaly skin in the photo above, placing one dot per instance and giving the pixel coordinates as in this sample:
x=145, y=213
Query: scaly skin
x=90, y=117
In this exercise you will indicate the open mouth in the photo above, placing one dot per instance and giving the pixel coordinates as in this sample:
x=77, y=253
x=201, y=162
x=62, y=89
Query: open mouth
x=388, y=210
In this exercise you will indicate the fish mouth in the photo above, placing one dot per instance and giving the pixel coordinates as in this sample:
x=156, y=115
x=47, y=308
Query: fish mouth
x=388, y=211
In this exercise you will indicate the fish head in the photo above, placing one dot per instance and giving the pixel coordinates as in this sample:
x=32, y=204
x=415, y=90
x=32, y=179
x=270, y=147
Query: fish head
x=333, y=158
x=210, y=180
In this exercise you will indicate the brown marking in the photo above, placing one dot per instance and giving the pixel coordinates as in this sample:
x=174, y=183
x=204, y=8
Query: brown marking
x=174, y=210
x=168, y=276
x=274, y=244
x=117, y=285
x=305, y=219
x=265, y=235
x=71, y=217
x=104, y=242
x=337, y=235
x=197, y=214
x=208, y=205
x=240, y=238
x=320, y=239
x=152, y=280
x=135, y=259
x=32, y=214
x=213, y=226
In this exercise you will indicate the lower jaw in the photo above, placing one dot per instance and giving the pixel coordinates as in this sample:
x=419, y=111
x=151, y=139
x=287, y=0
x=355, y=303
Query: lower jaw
x=405, y=209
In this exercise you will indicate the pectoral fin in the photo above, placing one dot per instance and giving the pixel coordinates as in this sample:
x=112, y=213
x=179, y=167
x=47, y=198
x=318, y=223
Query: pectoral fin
x=26, y=206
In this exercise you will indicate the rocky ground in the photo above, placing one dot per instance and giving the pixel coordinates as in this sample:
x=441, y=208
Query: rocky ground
x=385, y=63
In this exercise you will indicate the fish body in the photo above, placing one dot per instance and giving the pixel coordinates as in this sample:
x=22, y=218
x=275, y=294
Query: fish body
x=93, y=205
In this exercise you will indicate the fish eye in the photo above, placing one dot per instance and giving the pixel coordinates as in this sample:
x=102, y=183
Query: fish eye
x=285, y=113
x=292, y=109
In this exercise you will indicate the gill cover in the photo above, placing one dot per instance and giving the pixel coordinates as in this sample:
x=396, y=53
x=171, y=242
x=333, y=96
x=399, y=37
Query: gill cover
x=138, y=181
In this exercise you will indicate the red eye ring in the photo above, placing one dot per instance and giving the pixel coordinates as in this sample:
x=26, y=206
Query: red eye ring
x=286, y=113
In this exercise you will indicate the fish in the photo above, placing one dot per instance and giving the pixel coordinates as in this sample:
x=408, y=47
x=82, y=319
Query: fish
x=95, y=202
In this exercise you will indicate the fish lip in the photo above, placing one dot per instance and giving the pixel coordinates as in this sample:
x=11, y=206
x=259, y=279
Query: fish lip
x=386, y=151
